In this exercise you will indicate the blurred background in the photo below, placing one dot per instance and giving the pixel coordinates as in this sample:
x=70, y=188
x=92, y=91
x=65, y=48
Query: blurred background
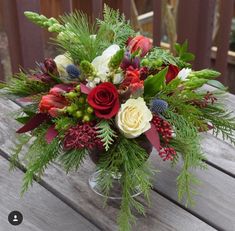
x=208, y=25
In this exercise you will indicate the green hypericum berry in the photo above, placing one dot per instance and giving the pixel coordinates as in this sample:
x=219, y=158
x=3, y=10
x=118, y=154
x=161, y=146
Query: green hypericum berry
x=78, y=88
x=90, y=110
x=71, y=95
x=79, y=114
x=86, y=118
x=81, y=100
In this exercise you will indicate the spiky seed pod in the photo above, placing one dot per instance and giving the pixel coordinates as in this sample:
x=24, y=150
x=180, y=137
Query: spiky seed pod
x=158, y=106
x=73, y=71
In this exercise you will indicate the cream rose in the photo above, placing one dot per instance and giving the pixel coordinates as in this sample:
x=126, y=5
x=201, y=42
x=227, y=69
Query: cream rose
x=134, y=118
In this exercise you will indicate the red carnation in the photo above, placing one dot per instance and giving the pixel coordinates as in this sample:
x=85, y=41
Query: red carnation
x=104, y=100
x=172, y=73
x=140, y=43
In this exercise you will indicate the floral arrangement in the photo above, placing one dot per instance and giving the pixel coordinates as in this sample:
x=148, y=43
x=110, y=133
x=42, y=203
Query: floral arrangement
x=114, y=96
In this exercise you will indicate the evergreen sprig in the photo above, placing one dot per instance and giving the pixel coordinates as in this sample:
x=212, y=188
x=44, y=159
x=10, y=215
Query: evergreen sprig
x=186, y=142
x=72, y=159
x=21, y=85
x=40, y=154
x=222, y=120
x=129, y=159
x=106, y=133
x=22, y=140
x=116, y=25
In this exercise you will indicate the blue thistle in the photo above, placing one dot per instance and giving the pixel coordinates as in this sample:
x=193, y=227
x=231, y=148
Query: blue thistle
x=158, y=106
x=73, y=71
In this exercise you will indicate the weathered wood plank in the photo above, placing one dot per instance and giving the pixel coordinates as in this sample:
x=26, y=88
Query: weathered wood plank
x=215, y=201
x=41, y=210
x=197, y=28
x=73, y=188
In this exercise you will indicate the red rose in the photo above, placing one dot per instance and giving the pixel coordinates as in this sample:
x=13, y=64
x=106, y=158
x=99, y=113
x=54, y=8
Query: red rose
x=104, y=100
x=172, y=73
x=140, y=42
x=51, y=104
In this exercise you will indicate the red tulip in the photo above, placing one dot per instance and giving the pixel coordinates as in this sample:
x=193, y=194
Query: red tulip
x=140, y=43
x=51, y=104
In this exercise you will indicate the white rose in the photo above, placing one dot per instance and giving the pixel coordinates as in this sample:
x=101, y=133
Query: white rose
x=184, y=73
x=134, y=118
x=101, y=62
x=62, y=61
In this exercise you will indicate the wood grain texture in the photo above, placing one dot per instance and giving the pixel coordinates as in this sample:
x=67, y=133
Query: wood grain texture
x=74, y=190
x=41, y=210
x=215, y=201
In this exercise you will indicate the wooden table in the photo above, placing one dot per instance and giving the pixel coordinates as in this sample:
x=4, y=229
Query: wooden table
x=64, y=202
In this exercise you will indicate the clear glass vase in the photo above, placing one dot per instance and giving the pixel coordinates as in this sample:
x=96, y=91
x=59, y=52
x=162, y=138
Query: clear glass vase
x=116, y=178
x=115, y=192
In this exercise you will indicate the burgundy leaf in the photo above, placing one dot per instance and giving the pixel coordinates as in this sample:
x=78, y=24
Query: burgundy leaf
x=51, y=134
x=34, y=122
x=153, y=137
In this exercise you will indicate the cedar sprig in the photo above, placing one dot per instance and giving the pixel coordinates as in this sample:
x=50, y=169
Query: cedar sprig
x=106, y=133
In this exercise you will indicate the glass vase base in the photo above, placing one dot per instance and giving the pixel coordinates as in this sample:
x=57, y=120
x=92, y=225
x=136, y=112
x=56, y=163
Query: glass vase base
x=115, y=192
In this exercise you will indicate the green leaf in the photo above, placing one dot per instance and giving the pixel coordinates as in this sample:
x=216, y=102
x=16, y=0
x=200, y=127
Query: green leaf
x=23, y=119
x=153, y=84
x=187, y=57
x=217, y=84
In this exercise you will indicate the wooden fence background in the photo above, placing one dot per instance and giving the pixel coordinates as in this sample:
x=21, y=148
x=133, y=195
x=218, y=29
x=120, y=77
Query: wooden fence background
x=194, y=22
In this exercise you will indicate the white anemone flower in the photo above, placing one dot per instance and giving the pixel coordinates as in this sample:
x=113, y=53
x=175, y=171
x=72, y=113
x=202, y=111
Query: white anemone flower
x=101, y=62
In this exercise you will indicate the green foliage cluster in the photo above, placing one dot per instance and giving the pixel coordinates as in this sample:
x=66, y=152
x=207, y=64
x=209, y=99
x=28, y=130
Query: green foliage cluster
x=222, y=120
x=186, y=143
x=85, y=41
x=129, y=159
x=21, y=85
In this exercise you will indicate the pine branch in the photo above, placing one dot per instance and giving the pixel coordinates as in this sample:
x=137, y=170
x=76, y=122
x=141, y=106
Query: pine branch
x=72, y=160
x=106, y=133
x=21, y=85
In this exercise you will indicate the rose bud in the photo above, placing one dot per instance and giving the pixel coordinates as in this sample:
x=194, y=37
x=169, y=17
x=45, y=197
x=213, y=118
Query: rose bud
x=140, y=43
x=50, y=66
x=172, y=73
x=51, y=104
